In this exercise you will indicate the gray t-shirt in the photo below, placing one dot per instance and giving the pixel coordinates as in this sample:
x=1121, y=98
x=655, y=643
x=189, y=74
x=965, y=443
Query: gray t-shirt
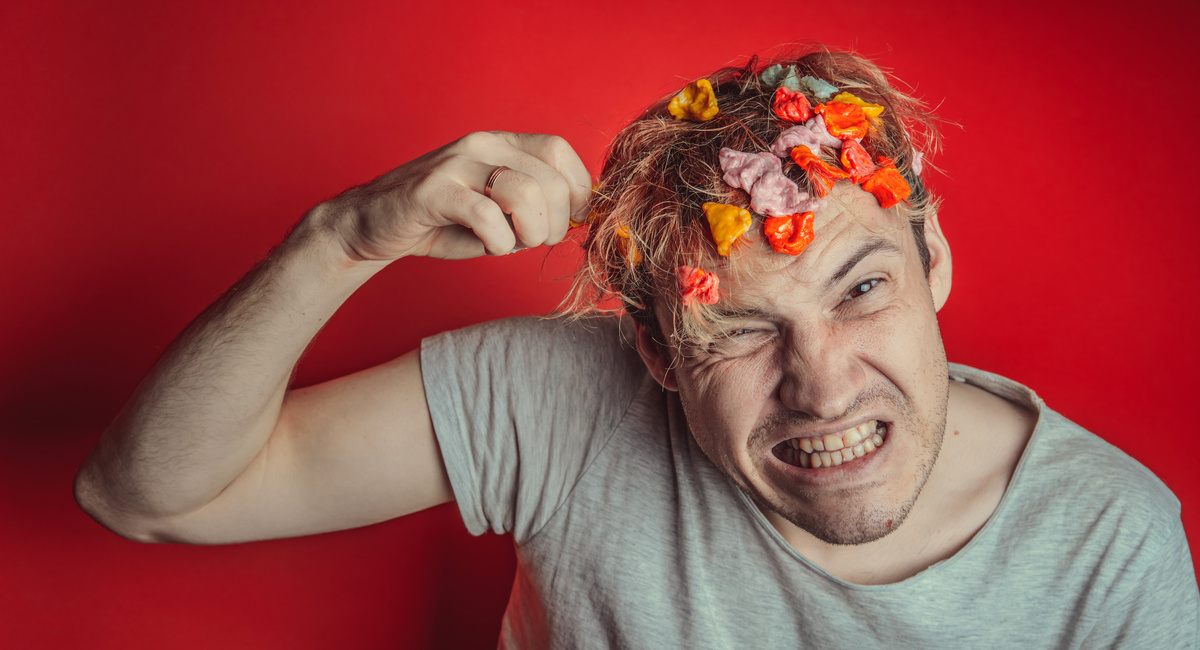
x=628, y=537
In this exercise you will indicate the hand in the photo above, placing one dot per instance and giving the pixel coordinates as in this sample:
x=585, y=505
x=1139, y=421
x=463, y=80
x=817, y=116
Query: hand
x=435, y=205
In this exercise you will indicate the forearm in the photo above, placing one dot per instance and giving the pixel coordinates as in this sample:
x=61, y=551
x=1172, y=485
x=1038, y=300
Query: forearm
x=211, y=403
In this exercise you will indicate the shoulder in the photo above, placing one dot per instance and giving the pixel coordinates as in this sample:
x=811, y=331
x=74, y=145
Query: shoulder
x=1084, y=522
x=534, y=360
x=1079, y=462
x=532, y=340
x=530, y=329
x=1075, y=480
x=1126, y=549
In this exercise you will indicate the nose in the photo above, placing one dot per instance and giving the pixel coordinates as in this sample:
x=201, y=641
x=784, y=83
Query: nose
x=822, y=373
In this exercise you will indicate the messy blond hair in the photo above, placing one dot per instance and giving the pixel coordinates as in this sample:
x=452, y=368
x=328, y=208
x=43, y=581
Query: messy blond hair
x=646, y=211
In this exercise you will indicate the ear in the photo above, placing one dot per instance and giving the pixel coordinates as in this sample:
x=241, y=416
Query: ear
x=940, y=265
x=655, y=358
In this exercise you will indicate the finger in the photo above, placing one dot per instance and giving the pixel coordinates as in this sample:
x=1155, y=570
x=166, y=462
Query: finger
x=457, y=242
x=554, y=189
x=483, y=216
x=521, y=196
x=558, y=153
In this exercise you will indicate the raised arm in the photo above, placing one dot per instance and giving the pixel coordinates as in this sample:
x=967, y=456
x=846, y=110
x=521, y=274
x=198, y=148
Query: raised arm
x=214, y=448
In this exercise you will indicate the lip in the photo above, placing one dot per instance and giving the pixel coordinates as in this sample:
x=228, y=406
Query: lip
x=863, y=470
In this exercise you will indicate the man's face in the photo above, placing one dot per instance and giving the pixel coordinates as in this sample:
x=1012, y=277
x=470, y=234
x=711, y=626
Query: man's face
x=838, y=349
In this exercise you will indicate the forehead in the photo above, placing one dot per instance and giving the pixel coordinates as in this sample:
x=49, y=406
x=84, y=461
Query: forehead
x=852, y=226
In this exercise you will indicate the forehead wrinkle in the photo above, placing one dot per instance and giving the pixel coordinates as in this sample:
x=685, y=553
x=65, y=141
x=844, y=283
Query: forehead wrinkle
x=803, y=269
x=766, y=261
x=850, y=222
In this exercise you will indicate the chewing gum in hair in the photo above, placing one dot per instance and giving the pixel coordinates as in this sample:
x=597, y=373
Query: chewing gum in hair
x=819, y=87
x=872, y=111
x=774, y=74
x=771, y=192
x=888, y=186
x=857, y=161
x=791, y=106
x=802, y=136
x=696, y=103
x=844, y=121
x=590, y=218
x=777, y=195
x=628, y=249
x=817, y=126
x=777, y=75
x=791, y=80
x=697, y=285
x=727, y=223
x=742, y=170
x=790, y=234
x=820, y=173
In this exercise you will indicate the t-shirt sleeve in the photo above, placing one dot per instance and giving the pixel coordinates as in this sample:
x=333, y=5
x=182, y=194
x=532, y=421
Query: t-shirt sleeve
x=521, y=407
x=1154, y=603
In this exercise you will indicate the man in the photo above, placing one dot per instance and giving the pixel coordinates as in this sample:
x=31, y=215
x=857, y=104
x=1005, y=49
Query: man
x=774, y=452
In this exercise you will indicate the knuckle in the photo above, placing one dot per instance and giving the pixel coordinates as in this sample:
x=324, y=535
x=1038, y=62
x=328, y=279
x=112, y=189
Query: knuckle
x=526, y=189
x=482, y=210
x=555, y=236
x=476, y=140
x=531, y=229
x=557, y=149
x=557, y=144
x=501, y=242
x=560, y=190
x=531, y=237
x=539, y=229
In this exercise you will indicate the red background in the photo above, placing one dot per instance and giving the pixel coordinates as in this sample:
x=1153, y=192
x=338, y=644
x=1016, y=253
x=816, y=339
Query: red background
x=151, y=152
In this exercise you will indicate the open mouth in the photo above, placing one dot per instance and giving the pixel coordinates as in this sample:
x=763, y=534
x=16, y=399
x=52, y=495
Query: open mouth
x=833, y=449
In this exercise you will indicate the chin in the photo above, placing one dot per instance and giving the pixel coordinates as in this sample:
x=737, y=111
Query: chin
x=849, y=525
x=858, y=514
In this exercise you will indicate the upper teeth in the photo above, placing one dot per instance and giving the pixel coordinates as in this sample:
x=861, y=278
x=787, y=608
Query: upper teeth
x=846, y=445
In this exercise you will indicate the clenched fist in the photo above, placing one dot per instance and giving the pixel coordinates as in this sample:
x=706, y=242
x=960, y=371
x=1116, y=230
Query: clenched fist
x=436, y=205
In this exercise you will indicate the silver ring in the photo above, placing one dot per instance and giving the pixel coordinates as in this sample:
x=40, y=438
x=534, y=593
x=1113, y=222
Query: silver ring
x=491, y=180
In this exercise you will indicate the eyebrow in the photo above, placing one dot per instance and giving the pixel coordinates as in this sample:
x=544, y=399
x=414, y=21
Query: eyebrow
x=864, y=250
x=738, y=313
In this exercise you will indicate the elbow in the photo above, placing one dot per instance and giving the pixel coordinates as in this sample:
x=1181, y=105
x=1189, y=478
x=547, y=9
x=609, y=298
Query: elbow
x=91, y=499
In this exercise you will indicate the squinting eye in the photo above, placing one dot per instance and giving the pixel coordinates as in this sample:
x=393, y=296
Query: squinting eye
x=863, y=287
